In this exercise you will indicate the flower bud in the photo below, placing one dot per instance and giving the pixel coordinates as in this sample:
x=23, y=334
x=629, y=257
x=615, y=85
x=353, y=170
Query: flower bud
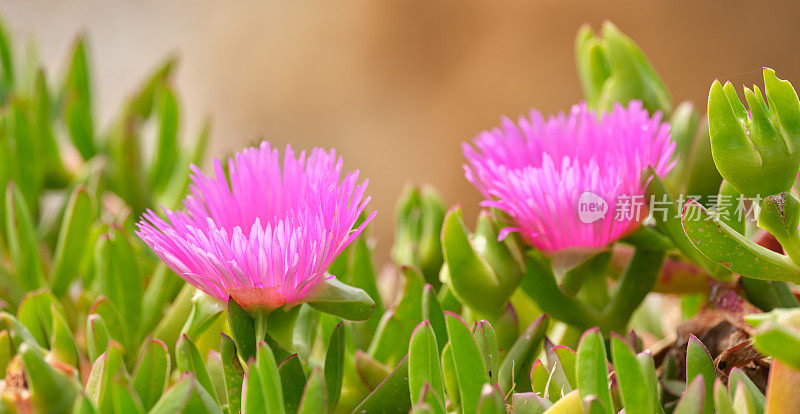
x=419, y=215
x=613, y=69
x=482, y=271
x=756, y=150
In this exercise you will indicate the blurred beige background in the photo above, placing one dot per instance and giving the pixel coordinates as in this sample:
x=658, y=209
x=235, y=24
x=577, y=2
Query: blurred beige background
x=394, y=85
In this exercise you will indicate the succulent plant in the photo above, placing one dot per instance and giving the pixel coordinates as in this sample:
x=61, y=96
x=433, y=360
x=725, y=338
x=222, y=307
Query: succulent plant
x=532, y=312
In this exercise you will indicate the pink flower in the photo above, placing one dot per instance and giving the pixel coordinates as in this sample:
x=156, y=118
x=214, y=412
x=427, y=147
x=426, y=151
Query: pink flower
x=553, y=176
x=266, y=238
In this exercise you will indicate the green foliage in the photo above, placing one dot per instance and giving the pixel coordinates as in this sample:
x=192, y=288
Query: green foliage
x=91, y=321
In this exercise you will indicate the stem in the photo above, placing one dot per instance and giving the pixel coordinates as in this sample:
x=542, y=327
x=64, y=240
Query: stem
x=539, y=284
x=791, y=246
x=636, y=282
x=574, y=279
x=260, y=319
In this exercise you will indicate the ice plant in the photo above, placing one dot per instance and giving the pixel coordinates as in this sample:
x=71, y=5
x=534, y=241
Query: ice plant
x=266, y=234
x=541, y=171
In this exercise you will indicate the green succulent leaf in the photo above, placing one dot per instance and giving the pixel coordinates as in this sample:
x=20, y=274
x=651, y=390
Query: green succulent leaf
x=151, y=375
x=293, y=382
x=391, y=396
x=486, y=340
x=722, y=398
x=491, y=400
x=591, y=371
x=72, y=241
x=725, y=245
x=339, y=299
x=22, y=241
x=99, y=386
x=519, y=358
x=334, y=365
x=693, y=398
x=424, y=366
x=699, y=364
x=188, y=359
x=186, y=396
x=243, y=330
x=52, y=391
x=77, y=98
x=633, y=386
x=469, y=364
x=315, y=395
x=232, y=371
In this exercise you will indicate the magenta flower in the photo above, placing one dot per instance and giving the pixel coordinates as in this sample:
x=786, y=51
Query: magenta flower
x=267, y=238
x=570, y=181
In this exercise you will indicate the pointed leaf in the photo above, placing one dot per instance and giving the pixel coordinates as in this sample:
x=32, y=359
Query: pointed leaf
x=339, y=299
x=152, y=373
x=424, y=367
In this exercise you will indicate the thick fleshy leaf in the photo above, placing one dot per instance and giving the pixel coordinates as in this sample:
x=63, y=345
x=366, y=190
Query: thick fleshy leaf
x=429, y=401
x=470, y=274
x=540, y=285
x=97, y=336
x=152, y=373
x=72, y=240
x=23, y=244
x=293, y=382
x=722, y=399
x=486, y=340
x=188, y=359
x=558, y=373
x=339, y=299
x=119, y=276
x=470, y=367
x=568, y=404
x=591, y=369
x=669, y=223
x=166, y=155
x=243, y=330
x=99, y=386
x=725, y=245
x=782, y=395
x=62, y=344
x=519, y=359
x=742, y=387
x=269, y=379
x=391, y=396
x=433, y=313
x=112, y=319
x=692, y=400
x=78, y=100
x=634, y=388
x=315, y=395
x=168, y=329
x=35, y=313
x=491, y=400
x=187, y=396
x=6, y=63
x=232, y=371
x=6, y=351
x=52, y=391
x=387, y=345
x=450, y=375
x=370, y=371
x=334, y=365
x=699, y=363
x=424, y=366
x=529, y=403
x=205, y=311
